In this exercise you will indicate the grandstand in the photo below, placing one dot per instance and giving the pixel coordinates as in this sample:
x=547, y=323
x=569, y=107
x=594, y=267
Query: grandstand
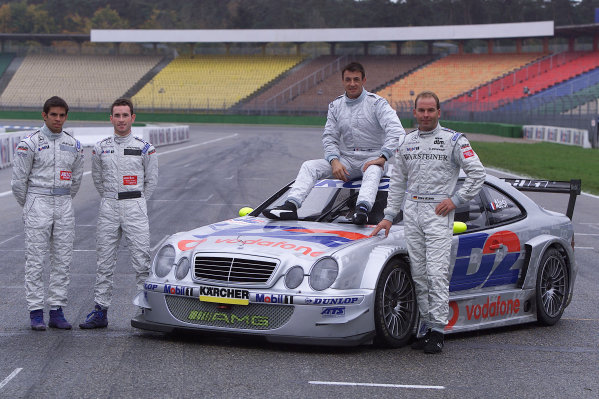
x=85, y=81
x=455, y=74
x=211, y=82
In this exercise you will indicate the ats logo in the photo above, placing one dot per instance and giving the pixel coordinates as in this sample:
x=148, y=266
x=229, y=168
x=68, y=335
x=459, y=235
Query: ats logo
x=333, y=312
x=482, y=249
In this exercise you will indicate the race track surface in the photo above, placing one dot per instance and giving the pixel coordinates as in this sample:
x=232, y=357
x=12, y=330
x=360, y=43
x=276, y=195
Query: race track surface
x=223, y=168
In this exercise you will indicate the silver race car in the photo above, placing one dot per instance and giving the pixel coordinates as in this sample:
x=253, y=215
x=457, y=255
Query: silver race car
x=322, y=279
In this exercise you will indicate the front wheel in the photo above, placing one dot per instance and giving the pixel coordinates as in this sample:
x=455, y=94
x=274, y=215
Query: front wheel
x=552, y=287
x=395, y=307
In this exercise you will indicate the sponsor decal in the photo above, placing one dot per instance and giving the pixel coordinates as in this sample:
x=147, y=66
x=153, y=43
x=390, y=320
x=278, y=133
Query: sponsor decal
x=338, y=311
x=439, y=141
x=498, y=204
x=334, y=183
x=492, y=308
x=333, y=301
x=65, y=175
x=107, y=152
x=132, y=151
x=22, y=148
x=433, y=157
x=229, y=318
x=328, y=238
x=233, y=296
x=43, y=147
x=275, y=298
x=482, y=249
x=152, y=152
x=468, y=153
x=409, y=149
x=150, y=286
x=465, y=146
x=129, y=180
x=177, y=290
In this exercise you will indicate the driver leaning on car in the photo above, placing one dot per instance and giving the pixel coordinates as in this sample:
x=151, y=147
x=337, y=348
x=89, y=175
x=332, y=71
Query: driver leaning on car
x=360, y=136
x=425, y=175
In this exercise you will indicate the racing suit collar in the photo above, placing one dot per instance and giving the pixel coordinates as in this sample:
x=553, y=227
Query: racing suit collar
x=49, y=133
x=434, y=131
x=351, y=101
x=121, y=139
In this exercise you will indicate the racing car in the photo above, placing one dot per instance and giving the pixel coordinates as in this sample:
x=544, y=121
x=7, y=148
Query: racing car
x=324, y=280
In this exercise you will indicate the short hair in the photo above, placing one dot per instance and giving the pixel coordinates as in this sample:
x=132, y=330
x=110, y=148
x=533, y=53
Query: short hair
x=122, y=101
x=55, y=101
x=354, y=67
x=427, y=94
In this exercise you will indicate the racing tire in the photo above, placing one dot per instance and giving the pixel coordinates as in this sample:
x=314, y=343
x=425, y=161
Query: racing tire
x=552, y=287
x=395, y=306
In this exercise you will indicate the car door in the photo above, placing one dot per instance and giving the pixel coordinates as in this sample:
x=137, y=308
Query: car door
x=489, y=254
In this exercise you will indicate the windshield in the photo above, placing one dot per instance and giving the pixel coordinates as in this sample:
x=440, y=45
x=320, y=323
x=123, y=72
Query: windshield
x=333, y=201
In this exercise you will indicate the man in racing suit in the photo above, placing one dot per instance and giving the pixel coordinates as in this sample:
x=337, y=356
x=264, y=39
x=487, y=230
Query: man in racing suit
x=361, y=133
x=125, y=173
x=46, y=175
x=425, y=174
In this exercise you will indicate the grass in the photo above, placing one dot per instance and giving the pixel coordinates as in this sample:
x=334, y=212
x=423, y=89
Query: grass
x=544, y=161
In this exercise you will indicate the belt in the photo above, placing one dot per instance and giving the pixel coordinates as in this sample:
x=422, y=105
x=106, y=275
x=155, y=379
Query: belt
x=426, y=197
x=365, y=149
x=123, y=195
x=49, y=191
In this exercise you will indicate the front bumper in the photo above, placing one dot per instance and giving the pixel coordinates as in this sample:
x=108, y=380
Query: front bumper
x=345, y=319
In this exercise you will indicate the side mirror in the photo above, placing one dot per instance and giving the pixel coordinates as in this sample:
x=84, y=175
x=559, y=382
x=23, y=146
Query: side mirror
x=459, y=227
x=245, y=210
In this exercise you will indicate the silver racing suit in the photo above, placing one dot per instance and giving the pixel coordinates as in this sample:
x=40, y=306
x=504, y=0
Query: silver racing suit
x=125, y=173
x=357, y=131
x=46, y=175
x=426, y=170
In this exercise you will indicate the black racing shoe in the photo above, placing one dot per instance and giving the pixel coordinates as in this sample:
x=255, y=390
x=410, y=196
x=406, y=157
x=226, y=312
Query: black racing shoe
x=435, y=343
x=287, y=211
x=361, y=215
x=421, y=342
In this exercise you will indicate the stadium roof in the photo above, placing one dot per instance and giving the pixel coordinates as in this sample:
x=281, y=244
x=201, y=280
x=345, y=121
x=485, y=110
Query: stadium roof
x=446, y=32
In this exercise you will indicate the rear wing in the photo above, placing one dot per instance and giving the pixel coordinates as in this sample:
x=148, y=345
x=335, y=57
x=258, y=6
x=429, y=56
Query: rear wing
x=573, y=187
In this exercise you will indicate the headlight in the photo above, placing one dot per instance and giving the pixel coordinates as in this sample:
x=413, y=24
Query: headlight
x=294, y=277
x=182, y=268
x=323, y=274
x=164, y=260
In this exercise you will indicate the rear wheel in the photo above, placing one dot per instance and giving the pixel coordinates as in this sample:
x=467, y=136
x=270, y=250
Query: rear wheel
x=395, y=308
x=552, y=287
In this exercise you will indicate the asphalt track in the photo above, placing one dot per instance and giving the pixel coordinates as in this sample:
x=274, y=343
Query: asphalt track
x=223, y=168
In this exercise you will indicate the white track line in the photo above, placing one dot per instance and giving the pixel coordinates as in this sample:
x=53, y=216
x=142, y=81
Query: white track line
x=367, y=384
x=10, y=377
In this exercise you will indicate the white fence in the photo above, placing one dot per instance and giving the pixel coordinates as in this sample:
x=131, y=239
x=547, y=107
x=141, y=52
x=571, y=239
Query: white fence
x=89, y=136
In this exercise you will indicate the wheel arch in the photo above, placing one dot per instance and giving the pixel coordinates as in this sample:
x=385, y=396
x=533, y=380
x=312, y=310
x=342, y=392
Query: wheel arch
x=378, y=259
x=535, y=248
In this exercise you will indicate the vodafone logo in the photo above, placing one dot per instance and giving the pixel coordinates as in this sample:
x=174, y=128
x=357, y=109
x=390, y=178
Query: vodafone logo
x=491, y=309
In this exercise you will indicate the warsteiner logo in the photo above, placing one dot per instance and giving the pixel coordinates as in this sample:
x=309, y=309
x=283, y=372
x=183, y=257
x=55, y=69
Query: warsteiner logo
x=229, y=318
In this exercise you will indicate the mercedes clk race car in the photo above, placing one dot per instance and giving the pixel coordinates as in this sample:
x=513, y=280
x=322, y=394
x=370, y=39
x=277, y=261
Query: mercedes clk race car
x=322, y=279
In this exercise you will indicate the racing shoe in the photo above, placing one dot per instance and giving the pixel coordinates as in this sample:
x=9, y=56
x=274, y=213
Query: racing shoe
x=98, y=318
x=434, y=343
x=421, y=342
x=287, y=211
x=361, y=215
x=57, y=320
x=37, y=320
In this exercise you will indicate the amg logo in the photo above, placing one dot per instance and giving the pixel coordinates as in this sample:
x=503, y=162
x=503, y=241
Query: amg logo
x=229, y=318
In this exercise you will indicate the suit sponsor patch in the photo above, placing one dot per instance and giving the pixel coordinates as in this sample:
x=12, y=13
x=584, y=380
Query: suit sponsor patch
x=65, y=175
x=129, y=180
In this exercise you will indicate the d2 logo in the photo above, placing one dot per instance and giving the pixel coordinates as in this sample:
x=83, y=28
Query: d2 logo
x=487, y=275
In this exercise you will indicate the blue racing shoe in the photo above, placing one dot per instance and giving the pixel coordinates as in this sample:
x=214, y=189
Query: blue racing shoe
x=37, y=320
x=57, y=320
x=98, y=318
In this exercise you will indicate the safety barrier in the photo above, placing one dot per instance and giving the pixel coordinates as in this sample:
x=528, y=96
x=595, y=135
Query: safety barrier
x=560, y=135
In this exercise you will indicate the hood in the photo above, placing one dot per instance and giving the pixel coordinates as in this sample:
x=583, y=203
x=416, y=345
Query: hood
x=259, y=236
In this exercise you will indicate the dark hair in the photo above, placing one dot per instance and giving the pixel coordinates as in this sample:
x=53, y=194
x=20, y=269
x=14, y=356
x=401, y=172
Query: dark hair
x=429, y=94
x=122, y=101
x=354, y=67
x=55, y=101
